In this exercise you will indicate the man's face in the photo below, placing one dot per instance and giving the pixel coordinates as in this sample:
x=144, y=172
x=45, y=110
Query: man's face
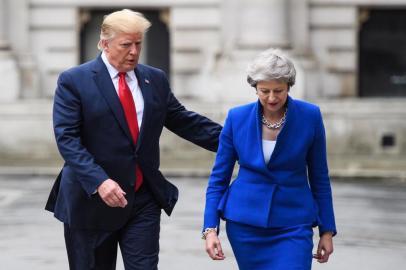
x=123, y=51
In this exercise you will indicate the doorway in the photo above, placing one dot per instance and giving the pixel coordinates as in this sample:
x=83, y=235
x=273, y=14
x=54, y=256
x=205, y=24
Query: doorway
x=382, y=54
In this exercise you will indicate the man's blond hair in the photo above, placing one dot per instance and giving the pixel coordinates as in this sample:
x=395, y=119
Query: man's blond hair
x=123, y=21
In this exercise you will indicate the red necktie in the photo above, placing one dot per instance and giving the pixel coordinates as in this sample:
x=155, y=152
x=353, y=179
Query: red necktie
x=127, y=101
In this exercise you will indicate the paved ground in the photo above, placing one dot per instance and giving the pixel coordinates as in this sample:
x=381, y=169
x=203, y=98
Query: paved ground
x=371, y=219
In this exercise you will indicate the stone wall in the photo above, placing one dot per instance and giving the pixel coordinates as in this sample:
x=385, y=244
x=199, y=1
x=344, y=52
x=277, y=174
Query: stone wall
x=211, y=41
x=366, y=135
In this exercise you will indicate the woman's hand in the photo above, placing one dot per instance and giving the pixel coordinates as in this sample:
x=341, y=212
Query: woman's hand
x=213, y=246
x=325, y=247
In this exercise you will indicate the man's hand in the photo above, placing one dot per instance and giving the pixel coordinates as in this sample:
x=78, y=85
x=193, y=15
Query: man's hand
x=213, y=246
x=112, y=194
x=325, y=247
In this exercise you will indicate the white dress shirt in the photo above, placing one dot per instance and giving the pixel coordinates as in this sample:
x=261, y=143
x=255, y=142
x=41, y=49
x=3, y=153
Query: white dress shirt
x=132, y=83
x=267, y=148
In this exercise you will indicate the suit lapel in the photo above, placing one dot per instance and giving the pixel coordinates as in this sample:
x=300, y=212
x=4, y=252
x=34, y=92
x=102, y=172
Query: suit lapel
x=282, y=136
x=106, y=88
x=258, y=115
x=145, y=85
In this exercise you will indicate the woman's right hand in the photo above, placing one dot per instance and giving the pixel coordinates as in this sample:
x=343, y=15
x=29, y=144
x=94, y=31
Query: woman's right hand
x=213, y=246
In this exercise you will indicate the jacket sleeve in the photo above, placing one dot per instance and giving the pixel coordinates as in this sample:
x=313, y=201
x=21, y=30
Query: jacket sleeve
x=67, y=121
x=189, y=125
x=319, y=179
x=220, y=176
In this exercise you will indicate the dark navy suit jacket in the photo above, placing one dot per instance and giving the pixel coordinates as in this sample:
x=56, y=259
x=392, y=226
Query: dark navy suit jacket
x=94, y=140
x=292, y=189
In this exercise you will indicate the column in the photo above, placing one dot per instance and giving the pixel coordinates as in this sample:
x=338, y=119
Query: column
x=263, y=24
x=299, y=30
x=307, y=69
x=20, y=41
x=3, y=24
x=10, y=83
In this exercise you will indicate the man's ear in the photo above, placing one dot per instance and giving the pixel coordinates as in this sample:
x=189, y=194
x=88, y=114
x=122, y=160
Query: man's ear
x=104, y=44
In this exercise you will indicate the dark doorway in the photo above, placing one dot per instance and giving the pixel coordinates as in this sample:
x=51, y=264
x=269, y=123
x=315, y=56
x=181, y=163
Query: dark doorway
x=382, y=53
x=155, y=48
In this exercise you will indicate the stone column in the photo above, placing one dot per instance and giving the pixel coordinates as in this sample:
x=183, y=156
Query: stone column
x=20, y=41
x=3, y=26
x=10, y=83
x=308, y=76
x=249, y=27
x=298, y=21
x=263, y=24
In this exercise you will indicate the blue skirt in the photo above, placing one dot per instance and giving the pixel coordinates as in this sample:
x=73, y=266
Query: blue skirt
x=287, y=248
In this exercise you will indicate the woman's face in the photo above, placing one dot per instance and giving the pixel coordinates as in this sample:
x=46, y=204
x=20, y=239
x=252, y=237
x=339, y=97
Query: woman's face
x=272, y=95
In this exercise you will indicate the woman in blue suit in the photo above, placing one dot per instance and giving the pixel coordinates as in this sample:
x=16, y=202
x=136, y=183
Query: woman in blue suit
x=282, y=189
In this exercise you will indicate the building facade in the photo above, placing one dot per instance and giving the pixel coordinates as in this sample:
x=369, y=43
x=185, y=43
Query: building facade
x=348, y=55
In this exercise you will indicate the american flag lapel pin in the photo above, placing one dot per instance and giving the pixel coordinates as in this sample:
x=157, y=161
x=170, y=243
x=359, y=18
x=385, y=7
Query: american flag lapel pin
x=146, y=81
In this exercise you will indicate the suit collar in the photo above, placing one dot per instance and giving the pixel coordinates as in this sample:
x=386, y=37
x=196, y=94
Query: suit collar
x=286, y=130
x=144, y=82
x=106, y=87
x=280, y=140
x=112, y=70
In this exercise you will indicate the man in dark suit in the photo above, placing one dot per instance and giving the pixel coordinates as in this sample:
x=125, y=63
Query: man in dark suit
x=108, y=116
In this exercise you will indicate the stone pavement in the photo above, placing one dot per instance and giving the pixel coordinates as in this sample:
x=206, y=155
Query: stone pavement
x=371, y=219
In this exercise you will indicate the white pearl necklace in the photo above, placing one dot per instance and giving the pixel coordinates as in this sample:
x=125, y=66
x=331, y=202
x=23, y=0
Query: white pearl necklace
x=274, y=125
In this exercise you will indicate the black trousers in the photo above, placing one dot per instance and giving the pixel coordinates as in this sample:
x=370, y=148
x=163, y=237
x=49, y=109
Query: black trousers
x=138, y=240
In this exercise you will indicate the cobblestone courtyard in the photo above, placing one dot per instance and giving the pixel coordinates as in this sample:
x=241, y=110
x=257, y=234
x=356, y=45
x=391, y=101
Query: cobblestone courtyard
x=370, y=215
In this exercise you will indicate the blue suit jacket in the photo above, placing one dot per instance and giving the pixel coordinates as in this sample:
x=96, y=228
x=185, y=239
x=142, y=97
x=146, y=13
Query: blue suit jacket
x=94, y=140
x=292, y=189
